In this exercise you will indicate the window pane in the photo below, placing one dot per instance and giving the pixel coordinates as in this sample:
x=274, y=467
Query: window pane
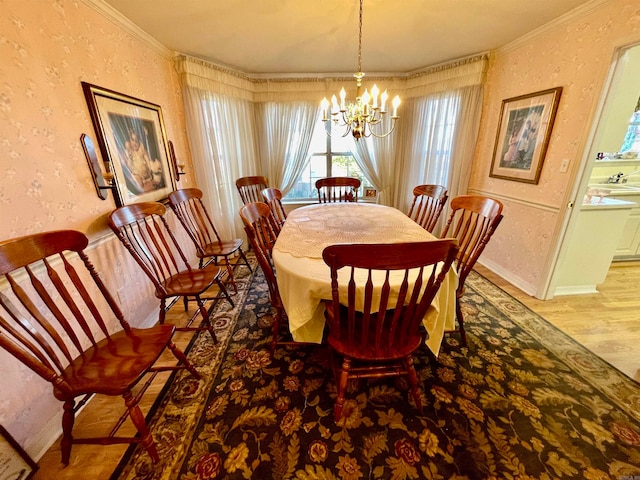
x=342, y=163
x=306, y=185
x=339, y=143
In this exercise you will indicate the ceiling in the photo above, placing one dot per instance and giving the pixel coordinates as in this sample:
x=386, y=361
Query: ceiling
x=321, y=36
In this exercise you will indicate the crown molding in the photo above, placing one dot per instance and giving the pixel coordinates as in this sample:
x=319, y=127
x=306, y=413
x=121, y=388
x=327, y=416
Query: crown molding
x=123, y=22
x=567, y=17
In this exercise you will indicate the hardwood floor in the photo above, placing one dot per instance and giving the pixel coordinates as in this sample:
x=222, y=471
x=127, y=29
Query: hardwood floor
x=607, y=323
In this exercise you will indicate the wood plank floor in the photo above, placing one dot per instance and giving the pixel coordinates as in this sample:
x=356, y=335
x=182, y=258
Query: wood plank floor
x=607, y=323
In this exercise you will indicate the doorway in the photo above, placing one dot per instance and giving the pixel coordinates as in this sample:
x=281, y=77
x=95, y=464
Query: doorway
x=603, y=157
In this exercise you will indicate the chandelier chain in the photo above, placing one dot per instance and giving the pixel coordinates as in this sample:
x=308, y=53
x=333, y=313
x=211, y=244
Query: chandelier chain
x=360, y=40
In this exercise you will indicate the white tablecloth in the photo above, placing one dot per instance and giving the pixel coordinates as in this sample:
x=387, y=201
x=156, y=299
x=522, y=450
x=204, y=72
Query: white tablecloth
x=304, y=279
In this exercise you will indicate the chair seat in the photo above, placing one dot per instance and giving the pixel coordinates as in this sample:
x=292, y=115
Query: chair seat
x=114, y=365
x=222, y=248
x=192, y=282
x=368, y=352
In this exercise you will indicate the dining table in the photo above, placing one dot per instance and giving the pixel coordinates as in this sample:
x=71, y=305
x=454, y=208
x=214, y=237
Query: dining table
x=304, y=280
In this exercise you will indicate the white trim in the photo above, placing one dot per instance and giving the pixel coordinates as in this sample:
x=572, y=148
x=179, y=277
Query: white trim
x=514, y=280
x=519, y=201
x=123, y=22
x=567, y=17
x=579, y=290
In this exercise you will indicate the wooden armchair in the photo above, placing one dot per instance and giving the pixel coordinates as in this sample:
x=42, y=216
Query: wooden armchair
x=472, y=222
x=427, y=205
x=54, y=317
x=188, y=206
x=145, y=233
x=250, y=188
x=337, y=189
x=375, y=329
x=273, y=198
x=262, y=233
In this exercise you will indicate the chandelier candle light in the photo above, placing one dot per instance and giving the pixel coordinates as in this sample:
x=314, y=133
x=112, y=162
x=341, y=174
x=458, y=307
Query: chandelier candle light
x=366, y=112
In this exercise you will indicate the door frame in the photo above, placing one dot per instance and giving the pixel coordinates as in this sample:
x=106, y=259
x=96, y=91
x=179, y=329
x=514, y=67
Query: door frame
x=581, y=180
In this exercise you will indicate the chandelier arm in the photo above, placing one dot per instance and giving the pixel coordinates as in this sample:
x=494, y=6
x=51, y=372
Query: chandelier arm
x=383, y=135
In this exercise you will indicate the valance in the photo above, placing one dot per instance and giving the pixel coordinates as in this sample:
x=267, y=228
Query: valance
x=208, y=76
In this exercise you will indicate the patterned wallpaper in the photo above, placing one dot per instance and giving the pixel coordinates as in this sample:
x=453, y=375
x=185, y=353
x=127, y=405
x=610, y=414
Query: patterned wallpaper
x=46, y=52
x=575, y=54
x=47, y=48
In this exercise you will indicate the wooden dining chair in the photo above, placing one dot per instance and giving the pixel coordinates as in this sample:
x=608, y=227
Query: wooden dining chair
x=188, y=206
x=261, y=231
x=473, y=220
x=144, y=231
x=375, y=330
x=273, y=198
x=337, y=189
x=250, y=188
x=54, y=317
x=426, y=207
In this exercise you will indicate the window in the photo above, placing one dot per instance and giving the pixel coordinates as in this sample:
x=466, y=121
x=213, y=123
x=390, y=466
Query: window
x=631, y=141
x=330, y=156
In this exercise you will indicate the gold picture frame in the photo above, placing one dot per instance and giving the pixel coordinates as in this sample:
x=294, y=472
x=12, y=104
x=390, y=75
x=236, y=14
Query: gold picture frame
x=15, y=464
x=370, y=192
x=133, y=143
x=524, y=130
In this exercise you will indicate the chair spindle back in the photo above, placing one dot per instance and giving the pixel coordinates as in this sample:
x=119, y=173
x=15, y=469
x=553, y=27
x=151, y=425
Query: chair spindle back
x=426, y=207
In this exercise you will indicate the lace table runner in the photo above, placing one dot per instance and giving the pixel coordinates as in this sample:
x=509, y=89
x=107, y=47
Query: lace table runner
x=308, y=230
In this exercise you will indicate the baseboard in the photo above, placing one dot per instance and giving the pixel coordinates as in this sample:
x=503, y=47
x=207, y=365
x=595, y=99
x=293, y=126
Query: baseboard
x=575, y=290
x=509, y=277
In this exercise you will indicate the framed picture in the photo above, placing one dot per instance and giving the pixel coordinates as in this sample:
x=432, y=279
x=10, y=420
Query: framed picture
x=15, y=464
x=370, y=192
x=133, y=143
x=523, y=135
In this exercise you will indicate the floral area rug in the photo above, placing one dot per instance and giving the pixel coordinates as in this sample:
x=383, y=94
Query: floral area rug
x=523, y=401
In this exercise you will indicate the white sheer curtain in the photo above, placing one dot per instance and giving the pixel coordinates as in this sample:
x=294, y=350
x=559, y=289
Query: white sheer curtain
x=221, y=136
x=438, y=146
x=284, y=134
x=375, y=156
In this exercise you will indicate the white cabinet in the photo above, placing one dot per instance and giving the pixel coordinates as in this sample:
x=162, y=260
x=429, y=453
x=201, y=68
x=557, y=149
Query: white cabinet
x=597, y=233
x=629, y=242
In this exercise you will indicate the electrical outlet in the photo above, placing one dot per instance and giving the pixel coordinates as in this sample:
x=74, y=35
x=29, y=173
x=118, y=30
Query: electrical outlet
x=120, y=294
x=564, y=165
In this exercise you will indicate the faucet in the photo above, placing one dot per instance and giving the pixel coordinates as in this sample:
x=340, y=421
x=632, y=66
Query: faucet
x=615, y=178
x=621, y=177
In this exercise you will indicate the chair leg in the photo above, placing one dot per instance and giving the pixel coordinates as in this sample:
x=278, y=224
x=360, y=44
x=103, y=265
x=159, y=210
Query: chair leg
x=246, y=261
x=342, y=387
x=223, y=289
x=163, y=310
x=275, y=330
x=182, y=358
x=413, y=381
x=463, y=335
x=205, y=316
x=230, y=274
x=138, y=420
x=68, y=418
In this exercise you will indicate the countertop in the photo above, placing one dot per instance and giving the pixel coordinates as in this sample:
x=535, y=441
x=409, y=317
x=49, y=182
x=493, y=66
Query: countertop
x=605, y=203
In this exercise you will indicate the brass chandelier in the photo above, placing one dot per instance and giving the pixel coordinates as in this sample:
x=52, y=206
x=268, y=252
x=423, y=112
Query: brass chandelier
x=363, y=116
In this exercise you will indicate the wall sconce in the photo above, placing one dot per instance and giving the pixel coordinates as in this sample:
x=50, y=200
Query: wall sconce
x=102, y=181
x=178, y=167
